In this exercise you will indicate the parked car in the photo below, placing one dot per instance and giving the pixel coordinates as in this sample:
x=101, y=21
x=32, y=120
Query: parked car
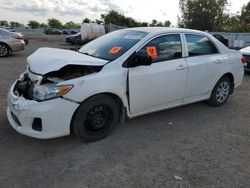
x=8, y=28
x=221, y=38
x=246, y=58
x=76, y=39
x=123, y=74
x=10, y=42
x=52, y=31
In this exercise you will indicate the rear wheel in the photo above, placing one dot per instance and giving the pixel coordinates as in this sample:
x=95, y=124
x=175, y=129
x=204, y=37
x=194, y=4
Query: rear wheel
x=4, y=50
x=221, y=92
x=96, y=118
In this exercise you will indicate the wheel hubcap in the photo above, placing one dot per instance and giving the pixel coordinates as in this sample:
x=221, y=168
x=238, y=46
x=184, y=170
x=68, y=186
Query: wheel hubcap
x=98, y=118
x=222, y=92
x=3, y=50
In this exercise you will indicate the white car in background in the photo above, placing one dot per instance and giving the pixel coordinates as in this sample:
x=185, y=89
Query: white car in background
x=126, y=73
x=246, y=58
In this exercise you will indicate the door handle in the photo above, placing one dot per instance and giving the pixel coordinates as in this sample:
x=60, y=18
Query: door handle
x=181, y=67
x=218, y=61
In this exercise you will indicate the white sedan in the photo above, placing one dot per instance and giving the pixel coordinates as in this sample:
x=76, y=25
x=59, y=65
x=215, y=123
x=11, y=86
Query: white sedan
x=123, y=74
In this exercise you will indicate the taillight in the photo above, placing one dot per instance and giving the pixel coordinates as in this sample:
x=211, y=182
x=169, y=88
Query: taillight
x=244, y=59
x=18, y=37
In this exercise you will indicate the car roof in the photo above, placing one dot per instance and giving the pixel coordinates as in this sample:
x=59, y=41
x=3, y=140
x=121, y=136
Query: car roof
x=165, y=30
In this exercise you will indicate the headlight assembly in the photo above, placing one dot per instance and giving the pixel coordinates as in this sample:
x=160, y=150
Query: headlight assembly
x=50, y=91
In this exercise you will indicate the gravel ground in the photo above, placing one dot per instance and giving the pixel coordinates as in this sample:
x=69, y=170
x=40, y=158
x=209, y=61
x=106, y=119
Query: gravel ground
x=205, y=146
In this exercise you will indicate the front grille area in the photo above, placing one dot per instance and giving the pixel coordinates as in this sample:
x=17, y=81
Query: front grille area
x=24, y=87
x=16, y=119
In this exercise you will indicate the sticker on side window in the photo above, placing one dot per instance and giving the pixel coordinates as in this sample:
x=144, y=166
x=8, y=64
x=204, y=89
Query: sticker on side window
x=114, y=50
x=152, y=52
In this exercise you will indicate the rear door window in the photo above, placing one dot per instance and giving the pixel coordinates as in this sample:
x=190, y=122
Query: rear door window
x=200, y=45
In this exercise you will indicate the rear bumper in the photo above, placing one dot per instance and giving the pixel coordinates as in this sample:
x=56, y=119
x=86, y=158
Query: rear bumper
x=247, y=67
x=18, y=45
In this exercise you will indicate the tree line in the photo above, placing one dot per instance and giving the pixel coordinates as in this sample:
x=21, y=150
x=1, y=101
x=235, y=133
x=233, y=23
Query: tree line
x=211, y=15
x=112, y=16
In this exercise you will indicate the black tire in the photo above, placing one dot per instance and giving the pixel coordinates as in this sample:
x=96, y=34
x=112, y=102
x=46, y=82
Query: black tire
x=220, y=93
x=96, y=118
x=4, y=50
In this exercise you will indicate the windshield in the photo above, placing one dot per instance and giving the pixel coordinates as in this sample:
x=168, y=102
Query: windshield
x=113, y=45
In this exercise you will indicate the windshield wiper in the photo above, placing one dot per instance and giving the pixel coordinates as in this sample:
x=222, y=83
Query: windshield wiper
x=85, y=53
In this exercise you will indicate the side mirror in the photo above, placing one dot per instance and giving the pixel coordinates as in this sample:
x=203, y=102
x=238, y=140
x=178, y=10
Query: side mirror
x=139, y=59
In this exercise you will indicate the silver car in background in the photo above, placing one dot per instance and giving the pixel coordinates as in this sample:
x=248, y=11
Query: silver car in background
x=9, y=42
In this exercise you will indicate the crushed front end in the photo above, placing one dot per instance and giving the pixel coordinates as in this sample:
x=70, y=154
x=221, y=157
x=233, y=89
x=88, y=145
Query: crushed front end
x=34, y=117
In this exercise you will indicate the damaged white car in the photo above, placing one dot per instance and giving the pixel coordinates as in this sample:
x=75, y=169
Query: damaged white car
x=123, y=74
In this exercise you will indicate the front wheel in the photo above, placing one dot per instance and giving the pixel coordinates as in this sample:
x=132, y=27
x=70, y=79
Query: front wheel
x=220, y=92
x=96, y=118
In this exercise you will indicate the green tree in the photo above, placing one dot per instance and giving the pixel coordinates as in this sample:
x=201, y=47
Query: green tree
x=71, y=25
x=3, y=23
x=143, y=24
x=15, y=24
x=98, y=21
x=54, y=23
x=153, y=23
x=117, y=18
x=167, y=23
x=33, y=24
x=245, y=18
x=156, y=23
x=203, y=15
x=86, y=20
x=43, y=25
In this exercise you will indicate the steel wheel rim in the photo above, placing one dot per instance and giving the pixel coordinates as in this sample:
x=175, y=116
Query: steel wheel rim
x=222, y=91
x=98, y=119
x=3, y=50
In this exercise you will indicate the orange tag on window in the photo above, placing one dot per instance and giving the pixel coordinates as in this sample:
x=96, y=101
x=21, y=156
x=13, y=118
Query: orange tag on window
x=152, y=52
x=114, y=50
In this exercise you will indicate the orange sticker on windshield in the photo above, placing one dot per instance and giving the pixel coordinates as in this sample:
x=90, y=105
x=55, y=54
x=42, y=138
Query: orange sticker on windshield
x=152, y=52
x=114, y=50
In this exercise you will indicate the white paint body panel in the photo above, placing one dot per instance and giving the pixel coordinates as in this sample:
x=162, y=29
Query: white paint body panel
x=45, y=60
x=158, y=85
x=246, y=50
x=142, y=90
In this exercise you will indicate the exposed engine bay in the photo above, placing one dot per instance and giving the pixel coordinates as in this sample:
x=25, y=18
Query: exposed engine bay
x=25, y=86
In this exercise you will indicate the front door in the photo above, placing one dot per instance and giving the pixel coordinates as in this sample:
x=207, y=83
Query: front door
x=163, y=82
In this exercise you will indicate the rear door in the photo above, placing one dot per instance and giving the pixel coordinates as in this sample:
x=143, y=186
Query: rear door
x=205, y=66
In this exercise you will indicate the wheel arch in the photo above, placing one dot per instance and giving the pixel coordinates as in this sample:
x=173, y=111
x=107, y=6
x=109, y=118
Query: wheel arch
x=119, y=101
x=6, y=45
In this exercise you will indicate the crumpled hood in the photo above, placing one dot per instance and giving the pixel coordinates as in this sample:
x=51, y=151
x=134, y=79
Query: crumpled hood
x=246, y=50
x=45, y=60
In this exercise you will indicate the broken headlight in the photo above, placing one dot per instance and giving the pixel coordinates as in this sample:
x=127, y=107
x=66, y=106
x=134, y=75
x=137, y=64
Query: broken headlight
x=50, y=91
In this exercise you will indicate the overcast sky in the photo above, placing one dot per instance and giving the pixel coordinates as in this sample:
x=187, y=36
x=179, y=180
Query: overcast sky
x=75, y=10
